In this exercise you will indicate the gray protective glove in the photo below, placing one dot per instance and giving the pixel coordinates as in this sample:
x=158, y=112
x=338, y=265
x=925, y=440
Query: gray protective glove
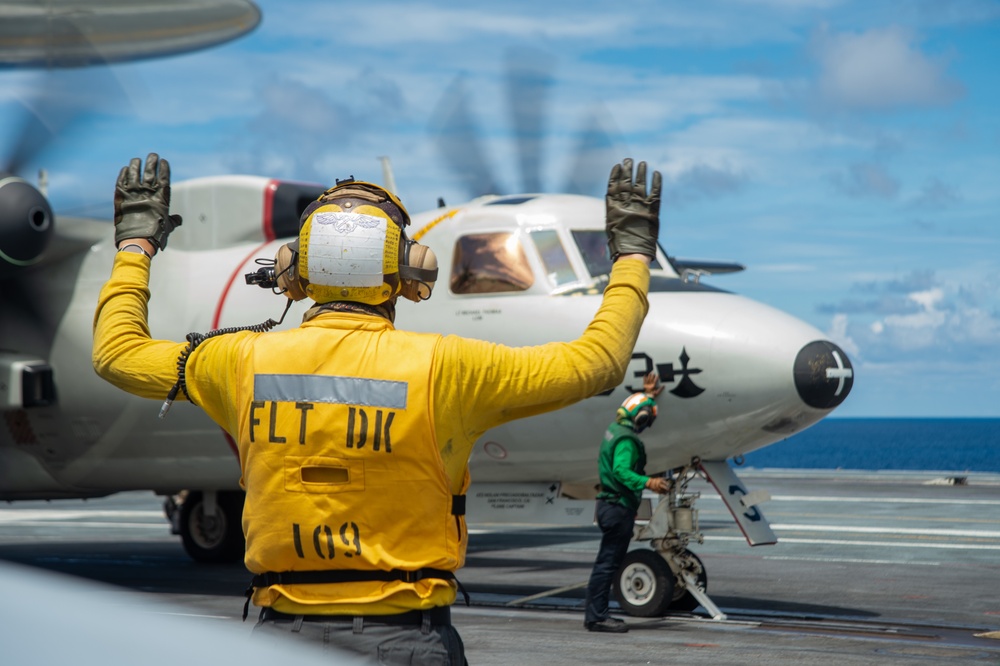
x=142, y=205
x=633, y=218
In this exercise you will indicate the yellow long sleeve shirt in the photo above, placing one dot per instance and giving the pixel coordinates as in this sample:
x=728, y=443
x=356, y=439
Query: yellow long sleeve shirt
x=475, y=385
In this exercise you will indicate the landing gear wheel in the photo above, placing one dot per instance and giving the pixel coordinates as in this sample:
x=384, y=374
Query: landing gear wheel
x=644, y=585
x=215, y=538
x=682, y=599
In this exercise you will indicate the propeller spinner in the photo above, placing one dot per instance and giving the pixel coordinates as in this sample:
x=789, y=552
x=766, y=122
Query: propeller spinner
x=25, y=222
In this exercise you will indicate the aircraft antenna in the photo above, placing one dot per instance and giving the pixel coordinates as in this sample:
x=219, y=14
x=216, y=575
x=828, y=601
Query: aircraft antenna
x=387, y=177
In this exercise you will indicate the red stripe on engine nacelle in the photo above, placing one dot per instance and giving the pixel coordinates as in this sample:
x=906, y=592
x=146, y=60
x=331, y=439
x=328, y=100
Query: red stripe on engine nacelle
x=267, y=223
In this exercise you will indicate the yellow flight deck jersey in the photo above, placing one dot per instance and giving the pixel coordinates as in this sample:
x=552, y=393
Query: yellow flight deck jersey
x=353, y=437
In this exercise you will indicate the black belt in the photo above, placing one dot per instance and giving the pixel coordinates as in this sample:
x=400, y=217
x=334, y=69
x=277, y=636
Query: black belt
x=346, y=576
x=270, y=578
x=439, y=615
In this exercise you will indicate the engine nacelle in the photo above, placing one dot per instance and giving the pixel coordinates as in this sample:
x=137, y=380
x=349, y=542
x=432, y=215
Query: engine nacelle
x=26, y=223
x=221, y=211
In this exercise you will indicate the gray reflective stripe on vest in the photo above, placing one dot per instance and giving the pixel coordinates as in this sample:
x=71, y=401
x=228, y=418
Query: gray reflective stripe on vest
x=331, y=389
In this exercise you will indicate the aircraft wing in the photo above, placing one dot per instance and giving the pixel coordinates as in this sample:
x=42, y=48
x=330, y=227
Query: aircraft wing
x=703, y=267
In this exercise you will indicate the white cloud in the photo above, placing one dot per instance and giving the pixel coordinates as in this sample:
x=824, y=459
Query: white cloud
x=766, y=149
x=880, y=69
x=838, y=333
x=424, y=23
x=572, y=25
x=653, y=101
x=949, y=321
x=929, y=298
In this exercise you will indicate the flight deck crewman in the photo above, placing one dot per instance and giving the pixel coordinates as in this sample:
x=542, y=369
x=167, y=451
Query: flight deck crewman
x=622, y=470
x=354, y=437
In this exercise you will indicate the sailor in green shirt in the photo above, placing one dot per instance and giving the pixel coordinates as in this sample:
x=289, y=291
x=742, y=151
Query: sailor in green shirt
x=622, y=469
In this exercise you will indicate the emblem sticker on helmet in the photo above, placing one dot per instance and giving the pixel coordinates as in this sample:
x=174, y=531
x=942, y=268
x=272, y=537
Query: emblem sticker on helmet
x=346, y=249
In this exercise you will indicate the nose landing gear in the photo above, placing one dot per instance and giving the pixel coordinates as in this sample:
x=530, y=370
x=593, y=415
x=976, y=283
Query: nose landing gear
x=668, y=577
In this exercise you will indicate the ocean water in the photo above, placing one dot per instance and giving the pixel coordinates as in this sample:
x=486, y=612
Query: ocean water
x=958, y=445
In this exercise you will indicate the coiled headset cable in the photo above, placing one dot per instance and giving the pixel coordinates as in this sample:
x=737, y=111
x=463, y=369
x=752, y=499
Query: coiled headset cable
x=194, y=339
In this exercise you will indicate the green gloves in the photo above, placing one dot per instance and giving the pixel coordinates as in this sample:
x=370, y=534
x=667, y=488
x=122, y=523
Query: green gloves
x=142, y=205
x=633, y=218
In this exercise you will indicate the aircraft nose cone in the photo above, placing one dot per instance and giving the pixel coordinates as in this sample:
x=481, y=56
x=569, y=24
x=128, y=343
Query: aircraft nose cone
x=823, y=374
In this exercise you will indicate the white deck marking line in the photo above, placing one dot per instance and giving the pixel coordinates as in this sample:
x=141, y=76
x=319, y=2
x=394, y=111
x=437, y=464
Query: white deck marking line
x=849, y=560
x=888, y=530
x=18, y=515
x=86, y=523
x=886, y=544
x=884, y=500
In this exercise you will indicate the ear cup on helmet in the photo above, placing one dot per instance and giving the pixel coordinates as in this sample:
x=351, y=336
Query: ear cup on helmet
x=418, y=272
x=286, y=268
x=643, y=419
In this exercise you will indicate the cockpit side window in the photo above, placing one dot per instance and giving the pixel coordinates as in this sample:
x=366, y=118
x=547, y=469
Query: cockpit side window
x=554, y=258
x=490, y=263
x=594, y=248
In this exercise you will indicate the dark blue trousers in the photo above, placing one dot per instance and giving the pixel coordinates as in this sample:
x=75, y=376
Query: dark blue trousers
x=616, y=523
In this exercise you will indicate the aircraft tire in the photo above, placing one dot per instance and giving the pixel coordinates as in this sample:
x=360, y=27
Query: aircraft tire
x=683, y=600
x=644, y=585
x=214, y=539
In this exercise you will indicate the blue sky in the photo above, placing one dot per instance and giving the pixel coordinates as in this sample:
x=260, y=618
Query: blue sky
x=847, y=152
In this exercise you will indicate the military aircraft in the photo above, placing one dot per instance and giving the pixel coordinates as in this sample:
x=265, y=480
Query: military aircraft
x=516, y=269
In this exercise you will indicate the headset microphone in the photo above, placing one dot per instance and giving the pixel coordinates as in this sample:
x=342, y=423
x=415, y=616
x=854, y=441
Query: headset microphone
x=263, y=277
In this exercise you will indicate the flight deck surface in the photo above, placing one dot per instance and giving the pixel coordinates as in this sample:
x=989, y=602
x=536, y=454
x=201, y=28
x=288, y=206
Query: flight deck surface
x=870, y=567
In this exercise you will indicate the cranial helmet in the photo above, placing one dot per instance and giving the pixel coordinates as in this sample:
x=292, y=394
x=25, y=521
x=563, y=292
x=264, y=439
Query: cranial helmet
x=638, y=411
x=352, y=246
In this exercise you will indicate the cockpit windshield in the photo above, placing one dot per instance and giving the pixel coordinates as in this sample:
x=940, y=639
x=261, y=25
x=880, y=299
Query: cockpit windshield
x=496, y=262
x=556, y=264
x=490, y=263
x=594, y=249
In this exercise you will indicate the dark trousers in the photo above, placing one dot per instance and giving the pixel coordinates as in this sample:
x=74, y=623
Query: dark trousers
x=387, y=645
x=616, y=522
